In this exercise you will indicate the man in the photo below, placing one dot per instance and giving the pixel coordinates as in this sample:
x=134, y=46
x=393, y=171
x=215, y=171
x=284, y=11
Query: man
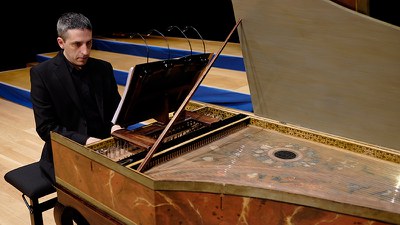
x=72, y=93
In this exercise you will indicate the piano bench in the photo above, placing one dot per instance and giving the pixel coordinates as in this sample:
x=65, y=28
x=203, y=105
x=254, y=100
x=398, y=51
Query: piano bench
x=30, y=181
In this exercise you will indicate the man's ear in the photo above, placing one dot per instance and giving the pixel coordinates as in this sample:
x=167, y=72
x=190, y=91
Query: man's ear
x=60, y=42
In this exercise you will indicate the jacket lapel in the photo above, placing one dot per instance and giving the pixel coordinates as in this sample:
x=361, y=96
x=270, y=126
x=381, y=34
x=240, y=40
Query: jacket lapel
x=65, y=79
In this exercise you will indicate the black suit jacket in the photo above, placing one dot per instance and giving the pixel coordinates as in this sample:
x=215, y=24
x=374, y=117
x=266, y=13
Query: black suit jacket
x=56, y=103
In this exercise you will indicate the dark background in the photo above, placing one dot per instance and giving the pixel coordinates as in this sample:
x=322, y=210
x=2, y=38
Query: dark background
x=29, y=28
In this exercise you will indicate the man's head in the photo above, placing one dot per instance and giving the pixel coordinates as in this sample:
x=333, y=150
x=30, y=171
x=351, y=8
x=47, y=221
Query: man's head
x=75, y=37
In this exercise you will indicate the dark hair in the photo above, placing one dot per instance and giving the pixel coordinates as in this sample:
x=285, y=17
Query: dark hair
x=72, y=20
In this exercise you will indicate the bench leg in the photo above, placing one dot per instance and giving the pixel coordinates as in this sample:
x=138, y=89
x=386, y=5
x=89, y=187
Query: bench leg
x=36, y=209
x=35, y=214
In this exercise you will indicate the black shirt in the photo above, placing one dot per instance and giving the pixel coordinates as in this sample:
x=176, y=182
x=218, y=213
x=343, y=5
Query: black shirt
x=84, y=87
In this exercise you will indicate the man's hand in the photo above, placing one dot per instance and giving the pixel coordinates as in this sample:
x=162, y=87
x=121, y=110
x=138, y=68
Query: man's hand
x=116, y=127
x=92, y=140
